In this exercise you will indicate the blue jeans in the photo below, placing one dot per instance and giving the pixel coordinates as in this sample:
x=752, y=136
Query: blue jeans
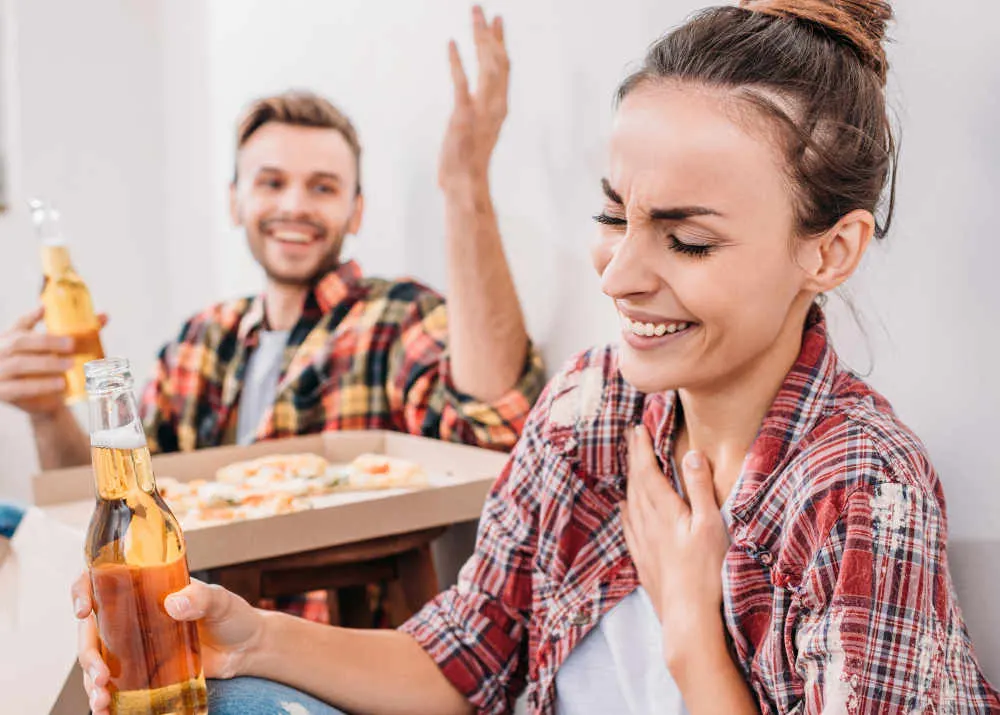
x=253, y=696
x=10, y=517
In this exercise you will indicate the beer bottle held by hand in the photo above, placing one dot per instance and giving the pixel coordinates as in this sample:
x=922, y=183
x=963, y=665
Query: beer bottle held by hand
x=136, y=557
x=69, y=309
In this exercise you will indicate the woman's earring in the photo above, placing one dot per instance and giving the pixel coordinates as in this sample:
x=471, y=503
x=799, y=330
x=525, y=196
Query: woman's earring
x=821, y=300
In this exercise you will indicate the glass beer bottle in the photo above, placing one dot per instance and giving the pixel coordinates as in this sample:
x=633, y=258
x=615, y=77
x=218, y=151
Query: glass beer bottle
x=69, y=309
x=136, y=557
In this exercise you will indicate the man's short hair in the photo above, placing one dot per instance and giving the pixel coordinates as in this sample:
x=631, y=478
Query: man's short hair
x=300, y=109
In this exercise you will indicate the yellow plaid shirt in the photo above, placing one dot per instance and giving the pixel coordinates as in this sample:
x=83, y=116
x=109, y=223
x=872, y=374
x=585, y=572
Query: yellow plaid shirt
x=366, y=354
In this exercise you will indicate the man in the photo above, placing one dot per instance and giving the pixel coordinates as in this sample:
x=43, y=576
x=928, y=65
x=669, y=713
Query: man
x=325, y=347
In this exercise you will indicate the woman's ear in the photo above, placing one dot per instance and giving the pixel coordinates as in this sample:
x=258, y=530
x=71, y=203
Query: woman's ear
x=832, y=258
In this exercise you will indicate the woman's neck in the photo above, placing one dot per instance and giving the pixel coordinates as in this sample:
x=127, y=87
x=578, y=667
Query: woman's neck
x=722, y=420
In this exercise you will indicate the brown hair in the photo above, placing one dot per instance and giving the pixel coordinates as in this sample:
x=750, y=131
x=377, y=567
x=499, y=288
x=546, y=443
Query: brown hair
x=300, y=109
x=816, y=67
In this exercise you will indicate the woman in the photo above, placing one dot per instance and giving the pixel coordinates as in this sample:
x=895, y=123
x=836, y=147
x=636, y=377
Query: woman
x=746, y=167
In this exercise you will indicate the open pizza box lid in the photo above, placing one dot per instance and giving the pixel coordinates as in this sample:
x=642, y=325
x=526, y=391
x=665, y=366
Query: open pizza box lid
x=460, y=477
x=37, y=660
x=38, y=669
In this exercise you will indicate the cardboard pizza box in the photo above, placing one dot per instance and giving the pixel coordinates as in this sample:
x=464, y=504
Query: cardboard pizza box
x=460, y=477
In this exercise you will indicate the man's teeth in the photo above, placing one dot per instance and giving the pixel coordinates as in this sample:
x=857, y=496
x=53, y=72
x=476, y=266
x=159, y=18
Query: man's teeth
x=654, y=329
x=293, y=236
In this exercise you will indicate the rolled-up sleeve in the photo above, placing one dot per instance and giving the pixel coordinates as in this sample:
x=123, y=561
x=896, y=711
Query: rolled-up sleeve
x=428, y=404
x=477, y=631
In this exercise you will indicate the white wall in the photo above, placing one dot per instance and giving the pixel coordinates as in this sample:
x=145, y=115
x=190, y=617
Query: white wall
x=124, y=113
x=84, y=128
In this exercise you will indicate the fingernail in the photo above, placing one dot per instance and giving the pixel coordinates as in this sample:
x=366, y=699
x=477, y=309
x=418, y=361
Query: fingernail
x=66, y=344
x=78, y=607
x=177, y=605
x=94, y=672
x=93, y=700
x=693, y=460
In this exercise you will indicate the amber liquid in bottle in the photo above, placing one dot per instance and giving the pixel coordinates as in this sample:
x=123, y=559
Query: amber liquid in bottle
x=136, y=555
x=69, y=309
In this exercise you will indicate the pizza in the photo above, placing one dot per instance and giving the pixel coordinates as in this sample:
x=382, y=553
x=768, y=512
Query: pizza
x=282, y=484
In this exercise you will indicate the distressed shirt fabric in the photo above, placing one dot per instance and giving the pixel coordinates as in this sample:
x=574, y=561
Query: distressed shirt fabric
x=837, y=594
x=366, y=353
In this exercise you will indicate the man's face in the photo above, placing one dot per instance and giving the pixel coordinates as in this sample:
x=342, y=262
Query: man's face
x=296, y=196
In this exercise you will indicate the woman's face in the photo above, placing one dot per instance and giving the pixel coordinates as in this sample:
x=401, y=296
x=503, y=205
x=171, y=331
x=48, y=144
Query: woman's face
x=697, y=244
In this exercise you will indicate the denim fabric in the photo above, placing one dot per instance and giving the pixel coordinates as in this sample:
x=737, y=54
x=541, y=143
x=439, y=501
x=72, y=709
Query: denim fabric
x=254, y=696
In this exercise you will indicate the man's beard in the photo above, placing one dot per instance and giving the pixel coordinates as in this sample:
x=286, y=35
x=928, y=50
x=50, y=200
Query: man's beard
x=329, y=262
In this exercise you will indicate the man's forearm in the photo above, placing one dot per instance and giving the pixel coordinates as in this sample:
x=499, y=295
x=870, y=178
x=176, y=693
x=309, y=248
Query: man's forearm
x=487, y=336
x=59, y=440
x=360, y=671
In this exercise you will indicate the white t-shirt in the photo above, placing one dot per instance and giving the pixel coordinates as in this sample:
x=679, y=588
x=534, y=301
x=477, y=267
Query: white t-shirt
x=618, y=667
x=260, y=383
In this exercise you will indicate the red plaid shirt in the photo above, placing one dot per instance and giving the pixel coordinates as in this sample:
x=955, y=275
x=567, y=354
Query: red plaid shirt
x=837, y=591
x=365, y=354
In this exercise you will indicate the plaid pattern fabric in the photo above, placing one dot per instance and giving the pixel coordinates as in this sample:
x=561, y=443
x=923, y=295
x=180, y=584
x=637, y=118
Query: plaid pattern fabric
x=366, y=354
x=837, y=595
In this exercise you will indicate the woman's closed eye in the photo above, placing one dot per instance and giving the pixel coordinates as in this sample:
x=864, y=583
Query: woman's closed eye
x=606, y=219
x=690, y=247
x=697, y=248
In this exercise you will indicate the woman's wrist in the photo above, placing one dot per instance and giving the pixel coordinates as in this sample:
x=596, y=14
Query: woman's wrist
x=258, y=650
x=693, y=641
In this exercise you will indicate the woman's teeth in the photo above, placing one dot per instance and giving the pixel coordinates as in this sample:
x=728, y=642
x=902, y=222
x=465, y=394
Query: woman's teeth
x=650, y=330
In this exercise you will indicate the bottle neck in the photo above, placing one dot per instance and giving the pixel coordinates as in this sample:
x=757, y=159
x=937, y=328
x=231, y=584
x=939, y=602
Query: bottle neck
x=118, y=448
x=55, y=259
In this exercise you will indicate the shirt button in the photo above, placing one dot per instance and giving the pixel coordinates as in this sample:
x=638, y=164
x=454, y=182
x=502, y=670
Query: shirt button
x=580, y=618
x=766, y=558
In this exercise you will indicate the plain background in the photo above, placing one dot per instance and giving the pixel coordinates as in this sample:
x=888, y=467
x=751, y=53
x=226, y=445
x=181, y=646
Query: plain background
x=122, y=112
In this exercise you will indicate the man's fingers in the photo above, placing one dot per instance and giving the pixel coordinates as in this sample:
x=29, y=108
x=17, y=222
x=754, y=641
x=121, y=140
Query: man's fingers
x=28, y=321
x=34, y=364
x=480, y=29
x=699, y=484
x=26, y=342
x=498, y=30
x=458, y=78
x=29, y=387
x=486, y=50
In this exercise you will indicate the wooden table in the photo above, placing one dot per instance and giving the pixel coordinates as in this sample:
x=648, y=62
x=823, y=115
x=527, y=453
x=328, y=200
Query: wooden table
x=403, y=560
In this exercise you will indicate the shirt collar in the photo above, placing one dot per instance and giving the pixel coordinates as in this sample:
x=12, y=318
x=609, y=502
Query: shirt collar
x=793, y=414
x=326, y=293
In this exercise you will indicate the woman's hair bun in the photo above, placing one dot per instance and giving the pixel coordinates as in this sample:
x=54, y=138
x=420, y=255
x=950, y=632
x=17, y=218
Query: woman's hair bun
x=860, y=24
